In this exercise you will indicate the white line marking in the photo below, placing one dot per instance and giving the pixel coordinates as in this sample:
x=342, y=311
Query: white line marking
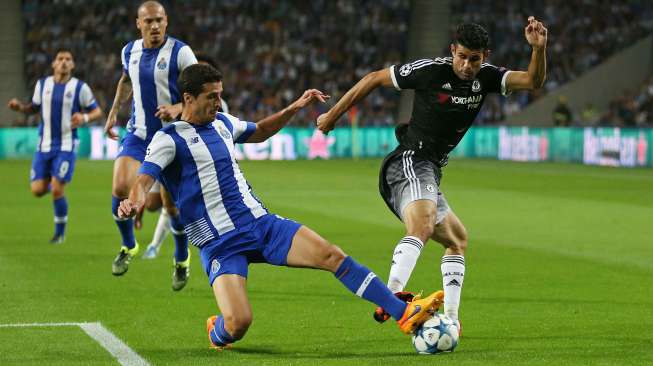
x=117, y=348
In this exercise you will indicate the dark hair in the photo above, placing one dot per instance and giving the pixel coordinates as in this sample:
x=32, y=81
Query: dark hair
x=193, y=78
x=60, y=50
x=472, y=36
x=203, y=57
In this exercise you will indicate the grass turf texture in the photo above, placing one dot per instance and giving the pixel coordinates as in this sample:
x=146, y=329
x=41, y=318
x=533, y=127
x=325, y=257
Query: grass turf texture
x=559, y=271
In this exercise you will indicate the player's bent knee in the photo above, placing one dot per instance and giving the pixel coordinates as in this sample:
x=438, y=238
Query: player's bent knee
x=38, y=191
x=332, y=258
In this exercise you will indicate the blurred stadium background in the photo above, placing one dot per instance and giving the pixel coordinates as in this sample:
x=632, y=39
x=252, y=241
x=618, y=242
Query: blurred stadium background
x=560, y=260
x=599, y=84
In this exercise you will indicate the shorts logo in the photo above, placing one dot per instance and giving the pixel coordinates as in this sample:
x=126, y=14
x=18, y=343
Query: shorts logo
x=476, y=86
x=430, y=188
x=406, y=69
x=162, y=64
x=215, y=266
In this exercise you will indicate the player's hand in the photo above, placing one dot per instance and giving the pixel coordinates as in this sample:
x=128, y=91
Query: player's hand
x=128, y=208
x=111, y=121
x=77, y=119
x=167, y=112
x=325, y=123
x=536, y=33
x=308, y=97
x=14, y=104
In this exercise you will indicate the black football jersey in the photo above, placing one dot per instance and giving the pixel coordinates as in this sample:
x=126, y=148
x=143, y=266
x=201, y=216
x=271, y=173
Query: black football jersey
x=444, y=106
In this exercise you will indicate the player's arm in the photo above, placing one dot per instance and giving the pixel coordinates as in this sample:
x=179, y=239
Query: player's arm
x=18, y=106
x=78, y=118
x=136, y=201
x=536, y=35
x=123, y=92
x=270, y=125
x=327, y=121
x=168, y=112
x=160, y=153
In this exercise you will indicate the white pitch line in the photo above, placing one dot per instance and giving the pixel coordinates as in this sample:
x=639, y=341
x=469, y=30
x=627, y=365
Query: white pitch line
x=117, y=348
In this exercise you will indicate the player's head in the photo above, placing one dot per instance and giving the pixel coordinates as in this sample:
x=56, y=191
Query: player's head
x=200, y=87
x=152, y=21
x=469, y=49
x=63, y=62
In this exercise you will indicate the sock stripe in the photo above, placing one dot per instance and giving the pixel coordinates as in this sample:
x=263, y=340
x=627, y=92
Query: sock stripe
x=453, y=259
x=60, y=220
x=454, y=262
x=412, y=241
x=366, y=282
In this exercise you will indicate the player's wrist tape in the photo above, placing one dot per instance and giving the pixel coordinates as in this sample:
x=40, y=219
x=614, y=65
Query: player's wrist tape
x=85, y=115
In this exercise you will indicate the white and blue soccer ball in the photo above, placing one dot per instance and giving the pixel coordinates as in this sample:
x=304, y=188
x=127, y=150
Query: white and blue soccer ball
x=438, y=334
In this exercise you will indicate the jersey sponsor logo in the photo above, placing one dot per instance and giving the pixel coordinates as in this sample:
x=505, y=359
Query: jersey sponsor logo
x=134, y=62
x=472, y=102
x=447, y=86
x=193, y=140
x=162, y=64
x=215, y=266
x=406, y=69
x=476, y=86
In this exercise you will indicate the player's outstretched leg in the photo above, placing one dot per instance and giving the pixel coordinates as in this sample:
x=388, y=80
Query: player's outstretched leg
x=453, y=236
x=236, y=312
x=310, y=250
x=124, y=175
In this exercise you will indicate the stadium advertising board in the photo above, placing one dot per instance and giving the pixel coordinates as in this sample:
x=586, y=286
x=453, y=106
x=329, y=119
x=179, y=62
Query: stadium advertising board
x=595, y=146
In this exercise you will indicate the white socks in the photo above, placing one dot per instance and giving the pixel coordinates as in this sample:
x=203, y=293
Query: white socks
x=403, y=262
x=162, y=229
x=453, y=273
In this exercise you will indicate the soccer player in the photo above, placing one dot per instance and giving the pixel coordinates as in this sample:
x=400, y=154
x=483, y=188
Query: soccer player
x=151, y=66
x=65, y=103
x=158, y=195
x=194, y=158
x=449, y=93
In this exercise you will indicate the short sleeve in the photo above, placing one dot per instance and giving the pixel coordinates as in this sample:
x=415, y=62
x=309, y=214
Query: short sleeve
x=86, y=98
x=123, y=60
x=496, y=79
x=160, y=153
x=240, y=130
x=414, y=75
x=36, y=98
x=185, y=58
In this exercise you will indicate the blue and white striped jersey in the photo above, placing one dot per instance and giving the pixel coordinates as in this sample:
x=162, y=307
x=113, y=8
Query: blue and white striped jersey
x=58, y=102
x=197, y=165
x=153, y=73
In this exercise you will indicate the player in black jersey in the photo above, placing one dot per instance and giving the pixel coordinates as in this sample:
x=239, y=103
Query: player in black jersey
x=449, y=93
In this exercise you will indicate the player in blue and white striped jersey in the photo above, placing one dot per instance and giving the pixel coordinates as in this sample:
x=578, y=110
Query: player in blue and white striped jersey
x=151, y=66
x=194, y=159
x=64, y=103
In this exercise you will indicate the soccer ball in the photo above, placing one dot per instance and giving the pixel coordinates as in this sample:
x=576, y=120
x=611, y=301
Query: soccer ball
x=438, y=334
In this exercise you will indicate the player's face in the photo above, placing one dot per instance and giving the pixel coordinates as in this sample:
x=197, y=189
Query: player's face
x=207, y=103
x=152, y=22
x=63, y=63
x=466, y=62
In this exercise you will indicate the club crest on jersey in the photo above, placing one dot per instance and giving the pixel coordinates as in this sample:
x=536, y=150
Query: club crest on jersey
x=224, y=133
x=69, y=95
x=476, y=86
x=405, y=69
x=162, y=64
x=193, y=140
x=215, y=266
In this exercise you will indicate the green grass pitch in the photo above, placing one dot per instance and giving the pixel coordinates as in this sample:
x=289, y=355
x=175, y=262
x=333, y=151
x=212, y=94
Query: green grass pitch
x=559, y=271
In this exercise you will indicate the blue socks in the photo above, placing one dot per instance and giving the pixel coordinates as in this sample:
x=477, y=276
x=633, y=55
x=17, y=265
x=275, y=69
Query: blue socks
x=367, y=285
x=181, y=240
x=126, y=226
x=219, y=335
x=60, y=215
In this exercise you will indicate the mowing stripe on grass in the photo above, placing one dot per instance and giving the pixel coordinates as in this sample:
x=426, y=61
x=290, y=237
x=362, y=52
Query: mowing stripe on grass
x=117, y=348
